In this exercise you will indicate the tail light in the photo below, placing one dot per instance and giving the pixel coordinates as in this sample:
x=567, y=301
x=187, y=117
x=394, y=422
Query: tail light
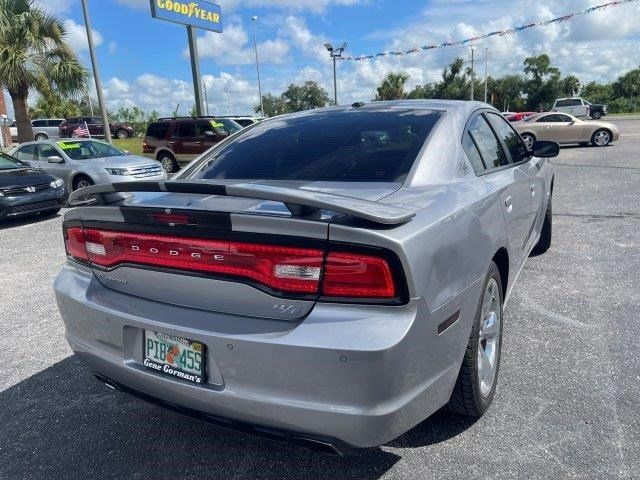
x=281, y=268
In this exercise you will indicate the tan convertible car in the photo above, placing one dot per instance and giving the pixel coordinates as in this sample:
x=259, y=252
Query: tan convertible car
x=563, y=128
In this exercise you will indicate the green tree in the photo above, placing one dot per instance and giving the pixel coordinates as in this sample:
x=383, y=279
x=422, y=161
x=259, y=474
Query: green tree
x=305, y=97
x=392, y=87
x=50, y=104
x=422, y=91
x=596, y=92
x=569, y=86
x=542, y=85
x=273, y=105
x=507, y=92
x=454, y=84
x=628, y=85
x=32, y=48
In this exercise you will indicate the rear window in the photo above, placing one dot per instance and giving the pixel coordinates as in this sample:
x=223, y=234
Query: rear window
x=364, y=146
x=158, y=130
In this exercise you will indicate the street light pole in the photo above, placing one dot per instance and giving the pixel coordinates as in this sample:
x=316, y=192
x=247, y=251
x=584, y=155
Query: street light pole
x=96, y=74
x=254, y=19
x=486, y=69
x=473, y=77
x=335, y=53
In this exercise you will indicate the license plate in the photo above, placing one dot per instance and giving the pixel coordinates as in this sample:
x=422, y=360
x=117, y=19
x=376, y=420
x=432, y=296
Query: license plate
x=176, y=356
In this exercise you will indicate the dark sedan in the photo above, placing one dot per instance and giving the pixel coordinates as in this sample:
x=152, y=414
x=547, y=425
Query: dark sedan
x=25, y=190
x=69, y=128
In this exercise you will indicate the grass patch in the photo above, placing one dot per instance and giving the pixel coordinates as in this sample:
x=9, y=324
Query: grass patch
x=133, y=145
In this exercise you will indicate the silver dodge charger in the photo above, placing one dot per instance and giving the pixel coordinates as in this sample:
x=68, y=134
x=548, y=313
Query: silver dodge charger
x=328, y=278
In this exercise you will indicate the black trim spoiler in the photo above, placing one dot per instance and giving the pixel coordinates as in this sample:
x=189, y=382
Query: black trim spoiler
x=299, y=202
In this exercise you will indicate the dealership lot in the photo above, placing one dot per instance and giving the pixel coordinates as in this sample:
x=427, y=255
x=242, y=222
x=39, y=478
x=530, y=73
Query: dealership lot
x=566, y=404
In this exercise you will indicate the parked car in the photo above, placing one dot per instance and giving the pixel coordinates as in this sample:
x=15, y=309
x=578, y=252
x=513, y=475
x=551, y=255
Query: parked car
x=96, y=128
x=45, y=128
x=243, y=121
x=579, y=107
x=13, y=130
x=308, y=281
x=517, y=116
x=25, y=190
x=81, y=163
x=177, y=140
x=565, y=129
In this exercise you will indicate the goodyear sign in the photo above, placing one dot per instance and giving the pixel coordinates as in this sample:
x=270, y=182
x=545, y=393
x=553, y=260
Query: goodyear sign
x=200, y=14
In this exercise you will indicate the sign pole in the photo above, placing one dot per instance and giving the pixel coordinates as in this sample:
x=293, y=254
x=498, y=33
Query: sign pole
x=195, y=69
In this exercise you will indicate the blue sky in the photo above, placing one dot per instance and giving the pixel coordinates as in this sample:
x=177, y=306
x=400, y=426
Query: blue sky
x=143, y=60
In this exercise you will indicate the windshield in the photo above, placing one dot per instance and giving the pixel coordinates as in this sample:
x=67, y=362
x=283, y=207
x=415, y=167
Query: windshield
x=229, y=126
x=87, y=149
x=9, y=163
x=365, y=146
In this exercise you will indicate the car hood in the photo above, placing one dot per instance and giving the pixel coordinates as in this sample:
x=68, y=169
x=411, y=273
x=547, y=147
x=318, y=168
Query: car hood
x=23, y=178
x=121, y=161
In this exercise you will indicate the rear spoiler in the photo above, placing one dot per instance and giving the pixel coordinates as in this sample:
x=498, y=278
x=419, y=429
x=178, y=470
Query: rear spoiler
x=299, y=202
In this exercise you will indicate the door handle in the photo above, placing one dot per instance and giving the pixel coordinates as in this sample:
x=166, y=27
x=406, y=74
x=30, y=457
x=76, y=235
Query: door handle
x=533, y=190
x=197, y=142
x=508, y=204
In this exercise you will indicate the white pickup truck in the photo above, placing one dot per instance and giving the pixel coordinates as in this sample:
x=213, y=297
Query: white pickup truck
x=579, y=107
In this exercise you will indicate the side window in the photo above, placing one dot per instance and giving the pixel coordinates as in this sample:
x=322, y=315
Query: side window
x=158, y=130
x=549, y=118
x=564, y=118
x=45, y=151
x=509, y=137
x=575, y=102
x=185, y=129
x=39, y=123
x=487, y=143
x=26, y=153
x=472, y=153
x=54, y=123
x=203, y=126
x=562, y=103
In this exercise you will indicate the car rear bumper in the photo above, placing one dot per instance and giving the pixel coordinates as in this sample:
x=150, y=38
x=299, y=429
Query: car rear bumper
x=347, y=375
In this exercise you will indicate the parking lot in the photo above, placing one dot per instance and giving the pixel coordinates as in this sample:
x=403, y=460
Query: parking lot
x=567, y=400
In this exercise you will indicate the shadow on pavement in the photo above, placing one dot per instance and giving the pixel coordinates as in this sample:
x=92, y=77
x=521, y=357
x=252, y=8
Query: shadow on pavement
x=62, y=423
x=20, y=221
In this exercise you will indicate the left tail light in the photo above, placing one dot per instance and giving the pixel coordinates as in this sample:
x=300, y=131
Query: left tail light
x=295, y=270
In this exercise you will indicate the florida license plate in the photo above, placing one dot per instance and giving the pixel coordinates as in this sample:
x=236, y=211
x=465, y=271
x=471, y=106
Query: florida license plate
x=175, y=356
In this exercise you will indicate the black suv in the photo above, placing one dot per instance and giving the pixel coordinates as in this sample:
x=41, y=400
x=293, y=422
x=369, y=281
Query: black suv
x=174, y=140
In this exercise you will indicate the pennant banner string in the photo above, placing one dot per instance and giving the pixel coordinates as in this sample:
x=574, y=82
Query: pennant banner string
x=500, y=33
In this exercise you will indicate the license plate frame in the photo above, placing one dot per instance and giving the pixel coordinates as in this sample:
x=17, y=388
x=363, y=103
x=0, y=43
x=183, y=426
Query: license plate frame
x=174, y=346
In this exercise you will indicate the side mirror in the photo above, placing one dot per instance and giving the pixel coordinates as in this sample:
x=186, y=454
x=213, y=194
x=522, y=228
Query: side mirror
x=209, y=133
x=55, y=159
x=545, y=149
x=127, y=152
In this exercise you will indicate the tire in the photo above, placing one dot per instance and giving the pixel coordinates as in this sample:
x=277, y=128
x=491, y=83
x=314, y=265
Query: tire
x=596, y=115
x=528, y=139
x=72, y=134
x=474, y=389
x=41, y=136
x=544, y=242
x=601, y=138
x=81, y=181
x=168, y=162
x=122, y=134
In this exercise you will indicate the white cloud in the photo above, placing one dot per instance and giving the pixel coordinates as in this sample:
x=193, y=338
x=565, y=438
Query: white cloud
x=234, y=48
x=137, y=4
x=113, y=46
x=55, y=6
x=316, y=6
x=77, y=36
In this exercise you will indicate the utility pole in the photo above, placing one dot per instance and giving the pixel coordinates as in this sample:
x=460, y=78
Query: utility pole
x=206, y=101
x=254, y=19
x=335, y=53
x=96, y=73
x=228, y=97
x=195, y=68
x=473, y=77
x=486, y=69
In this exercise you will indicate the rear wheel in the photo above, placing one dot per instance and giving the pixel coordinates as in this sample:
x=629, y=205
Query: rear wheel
x=82, y=181
x=41, y=136
x=601, y=138
x=528, y=139
x=122, y=134
x=544, y=243
x=478, y=376
x=168, y=162
x=596, y=115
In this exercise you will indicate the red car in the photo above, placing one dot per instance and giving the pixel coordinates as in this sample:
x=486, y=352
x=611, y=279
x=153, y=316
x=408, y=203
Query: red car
x=517, y=116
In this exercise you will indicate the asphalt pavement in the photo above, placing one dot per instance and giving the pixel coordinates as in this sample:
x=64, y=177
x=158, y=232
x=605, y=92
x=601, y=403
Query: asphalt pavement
x=566, y=406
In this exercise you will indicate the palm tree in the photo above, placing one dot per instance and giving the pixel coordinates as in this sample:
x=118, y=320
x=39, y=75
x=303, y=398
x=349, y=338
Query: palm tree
x=34, y=52
x=392, y=87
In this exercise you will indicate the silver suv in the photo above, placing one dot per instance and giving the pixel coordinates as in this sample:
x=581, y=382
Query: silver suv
x=45, y=128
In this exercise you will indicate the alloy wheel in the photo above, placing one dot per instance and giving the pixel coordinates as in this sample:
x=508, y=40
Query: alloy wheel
x=489, y=341
x=601, y=138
